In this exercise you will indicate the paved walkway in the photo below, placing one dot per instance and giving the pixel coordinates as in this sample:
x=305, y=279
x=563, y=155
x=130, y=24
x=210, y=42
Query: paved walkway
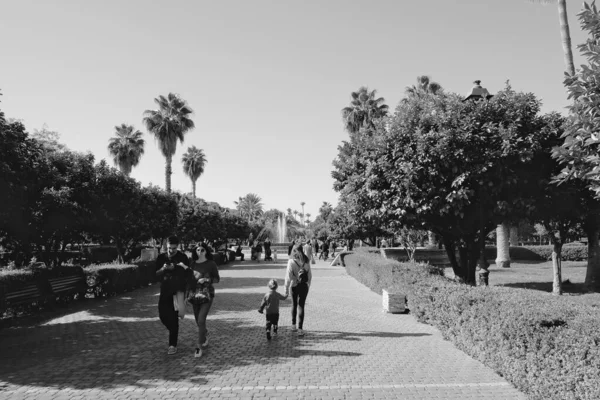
x=116, y=349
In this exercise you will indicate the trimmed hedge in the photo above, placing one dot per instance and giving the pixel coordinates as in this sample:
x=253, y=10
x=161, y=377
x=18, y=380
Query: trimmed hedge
x=110, y=279
x=547, y=347
x=570, y=252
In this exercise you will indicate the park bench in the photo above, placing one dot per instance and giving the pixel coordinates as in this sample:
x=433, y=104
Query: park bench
x=69, y=286
x=26, y=295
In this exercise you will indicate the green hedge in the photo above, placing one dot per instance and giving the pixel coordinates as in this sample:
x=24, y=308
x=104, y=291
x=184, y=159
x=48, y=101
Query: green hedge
x=110, y=279
x=570, y=252
x=547, y=347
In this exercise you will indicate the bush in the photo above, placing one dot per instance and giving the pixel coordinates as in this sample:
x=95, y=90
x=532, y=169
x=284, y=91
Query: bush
x=110, y=279
x=546, y=347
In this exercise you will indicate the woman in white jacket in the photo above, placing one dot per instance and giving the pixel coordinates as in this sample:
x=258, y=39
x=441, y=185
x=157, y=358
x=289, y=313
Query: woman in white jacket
x=298, y=277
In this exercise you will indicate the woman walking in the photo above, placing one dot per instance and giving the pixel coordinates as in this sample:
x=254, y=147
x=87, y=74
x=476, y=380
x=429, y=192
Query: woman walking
x=206, y=274
x=298, y=277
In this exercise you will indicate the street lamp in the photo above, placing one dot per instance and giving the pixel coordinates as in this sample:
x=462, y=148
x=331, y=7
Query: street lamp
x=477, y=92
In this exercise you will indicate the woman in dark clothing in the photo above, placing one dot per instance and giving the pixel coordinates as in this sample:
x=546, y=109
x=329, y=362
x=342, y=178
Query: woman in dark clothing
x=206, y=274
x=174, y=276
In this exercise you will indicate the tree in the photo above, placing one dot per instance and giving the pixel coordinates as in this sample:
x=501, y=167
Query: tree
x=579, y=154
x=308, y=218
x=302, y=214
x=295, y=212
x=169, y=124
x=565, y=33
x=126, y=148
x=193, y=165
x=325, y=209
x=444, y=165
x=365, y=108
x=50, y=140
x=251, y=207
x=423, y=86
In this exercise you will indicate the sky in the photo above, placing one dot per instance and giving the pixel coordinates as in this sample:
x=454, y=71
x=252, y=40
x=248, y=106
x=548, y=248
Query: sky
x=266, y=79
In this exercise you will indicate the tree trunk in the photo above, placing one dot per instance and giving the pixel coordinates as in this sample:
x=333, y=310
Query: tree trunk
x=451, y=252
x=502, y=248
x=557, y=267
x=194, y=189
x=168, y=173
x=514, y=236
x=592, y=276
x=566, y=36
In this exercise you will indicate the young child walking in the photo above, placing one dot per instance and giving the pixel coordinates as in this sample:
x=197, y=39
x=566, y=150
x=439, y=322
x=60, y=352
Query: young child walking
x=271, y=303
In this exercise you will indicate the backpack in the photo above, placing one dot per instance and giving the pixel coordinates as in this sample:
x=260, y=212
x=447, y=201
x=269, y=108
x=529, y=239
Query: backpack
x=302, y=274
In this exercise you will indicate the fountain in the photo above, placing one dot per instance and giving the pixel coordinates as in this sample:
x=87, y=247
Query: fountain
x=281, y=228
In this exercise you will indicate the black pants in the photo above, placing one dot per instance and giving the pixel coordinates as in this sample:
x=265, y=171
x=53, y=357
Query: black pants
x=272, y=319
x=168, y=316
x=299, y=294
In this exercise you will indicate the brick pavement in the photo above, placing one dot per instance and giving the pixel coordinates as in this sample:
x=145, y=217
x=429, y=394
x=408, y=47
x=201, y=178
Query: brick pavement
x=116, y=349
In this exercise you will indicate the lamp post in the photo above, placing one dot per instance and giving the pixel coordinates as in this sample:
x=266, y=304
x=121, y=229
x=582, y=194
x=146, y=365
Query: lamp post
x=480, y=93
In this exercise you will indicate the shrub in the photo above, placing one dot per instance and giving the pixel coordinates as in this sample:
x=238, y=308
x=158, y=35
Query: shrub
x=546, y=347
x=110, y=279
x=101, y=254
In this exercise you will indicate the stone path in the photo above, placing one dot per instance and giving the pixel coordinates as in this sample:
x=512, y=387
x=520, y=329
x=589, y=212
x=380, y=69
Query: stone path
x=116, y=349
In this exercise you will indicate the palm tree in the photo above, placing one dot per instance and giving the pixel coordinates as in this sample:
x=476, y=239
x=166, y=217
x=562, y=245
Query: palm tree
x=193, y=165
x=302, y=215
x=565, y=33
x=364, y=110
x=295, y=214
x=126, y=148
x=289, y=212
x=251, y=206
x=308, y=218
x=169, y=124
x=423, y=86
x=239, y=205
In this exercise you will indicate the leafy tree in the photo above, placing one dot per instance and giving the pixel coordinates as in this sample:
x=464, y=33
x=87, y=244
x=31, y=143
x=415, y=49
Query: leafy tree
x=579, y=153
x=445, y=166
x=126, y=148
x=21, y=160
x=364, y=109
x=325, y=209
x=169, y=124
x=194, y=161
x=50, y=140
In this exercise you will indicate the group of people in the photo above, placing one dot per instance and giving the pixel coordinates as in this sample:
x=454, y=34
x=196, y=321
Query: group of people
x=185, y=281
x=257, y=248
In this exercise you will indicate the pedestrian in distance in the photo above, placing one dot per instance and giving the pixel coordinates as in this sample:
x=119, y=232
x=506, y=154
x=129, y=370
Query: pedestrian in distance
x=206, y=274
x=298, y=278
x=175, y=276
x=270, y=306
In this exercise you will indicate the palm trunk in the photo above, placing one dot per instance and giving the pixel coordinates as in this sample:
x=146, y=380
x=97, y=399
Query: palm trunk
x=566, y=36
x=168, y=172
x=557, y=267
x=502, y=248
x=592, y=276
x=194, y=189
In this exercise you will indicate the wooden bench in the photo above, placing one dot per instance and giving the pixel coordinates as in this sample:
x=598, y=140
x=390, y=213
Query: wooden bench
x=29, y=294
x=68, y=286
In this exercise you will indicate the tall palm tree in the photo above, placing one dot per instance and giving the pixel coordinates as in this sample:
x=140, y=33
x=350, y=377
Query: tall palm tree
x=424, y=86
x=126, y=147
x=308, y=218
x=296, y=214
x=365, y=108
x=565, y=32
x=169, y=124
x=239, y=204
x=193, y=165
x=302, y=215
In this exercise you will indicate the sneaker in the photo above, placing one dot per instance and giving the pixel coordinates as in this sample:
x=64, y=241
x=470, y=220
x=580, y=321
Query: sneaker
x=198, y=352
x=274, y=332
x=172, y=350
x=294, y=329
x=205, y=344
x=300, y=332
x=268, y=335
